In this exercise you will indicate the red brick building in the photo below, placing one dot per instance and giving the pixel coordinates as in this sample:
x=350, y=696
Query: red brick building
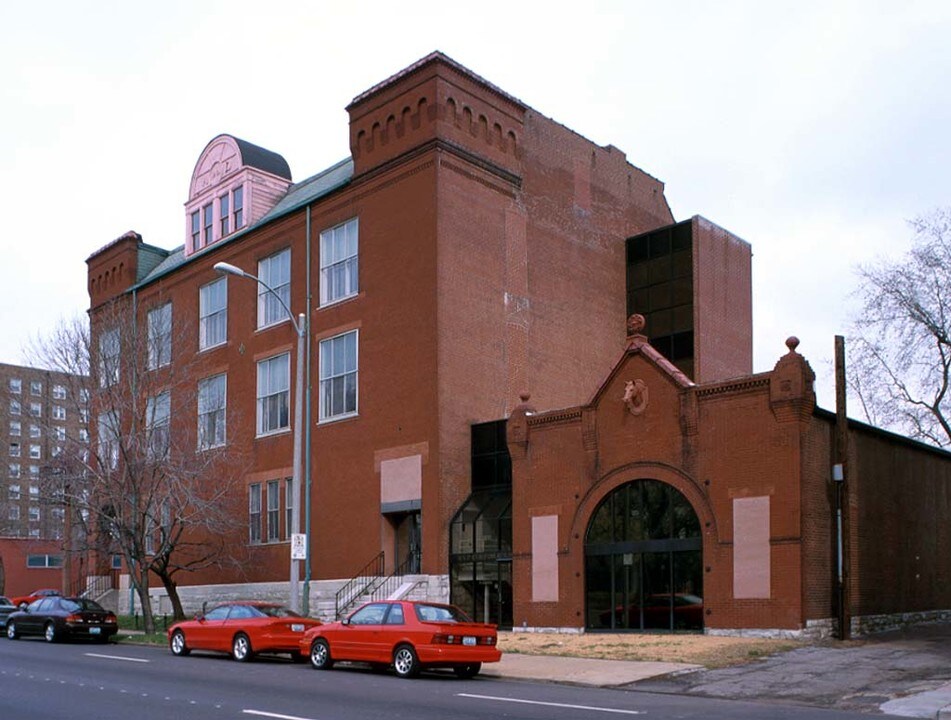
x=454, y=260
x=664, y=504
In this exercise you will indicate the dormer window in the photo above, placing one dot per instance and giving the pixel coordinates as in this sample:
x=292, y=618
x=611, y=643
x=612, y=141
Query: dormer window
x=233, y=186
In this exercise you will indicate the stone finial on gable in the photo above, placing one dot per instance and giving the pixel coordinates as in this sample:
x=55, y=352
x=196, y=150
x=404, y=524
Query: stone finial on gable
x=635, y=327
x=792, y=394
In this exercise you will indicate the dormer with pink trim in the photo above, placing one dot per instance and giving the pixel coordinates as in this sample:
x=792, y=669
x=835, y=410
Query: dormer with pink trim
x=235, y=183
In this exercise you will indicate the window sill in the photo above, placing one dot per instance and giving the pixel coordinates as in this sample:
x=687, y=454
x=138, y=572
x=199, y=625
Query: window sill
x=273, y=433
x=223, y=343
x=338, y=418
x=340, y=301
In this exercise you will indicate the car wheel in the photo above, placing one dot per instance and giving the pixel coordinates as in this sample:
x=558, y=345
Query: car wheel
x=467, y=671
x=12, y=631
x=49, y=633
x=406, y=662
x=177, y=644
x=320, y=655
x=241, y=648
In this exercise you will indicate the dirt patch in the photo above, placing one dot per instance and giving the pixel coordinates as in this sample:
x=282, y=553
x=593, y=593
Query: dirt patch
x=707, y=650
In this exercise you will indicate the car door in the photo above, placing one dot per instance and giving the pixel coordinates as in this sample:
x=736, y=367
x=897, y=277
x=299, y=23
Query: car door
x=392, y=630
x=206, y=634
x=357, y=634
x=35, y=618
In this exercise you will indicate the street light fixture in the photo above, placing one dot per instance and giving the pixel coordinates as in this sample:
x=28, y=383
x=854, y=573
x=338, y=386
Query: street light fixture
x=299, y=326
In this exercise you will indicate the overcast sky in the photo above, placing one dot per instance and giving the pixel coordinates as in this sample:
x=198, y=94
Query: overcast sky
x=813, y=130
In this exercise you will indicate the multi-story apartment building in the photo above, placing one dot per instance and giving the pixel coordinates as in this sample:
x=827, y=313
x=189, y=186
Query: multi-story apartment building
x=469, y=250
x=42, y=415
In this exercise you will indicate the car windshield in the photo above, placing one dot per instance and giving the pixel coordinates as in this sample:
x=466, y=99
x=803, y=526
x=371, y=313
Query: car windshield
x=441, y=613
x=74, y=604
x=277, y=611
x=5, y=600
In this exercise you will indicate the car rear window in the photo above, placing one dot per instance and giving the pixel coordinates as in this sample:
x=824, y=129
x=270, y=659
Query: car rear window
x=74, y=604
x=441, y=613
x=277, y=611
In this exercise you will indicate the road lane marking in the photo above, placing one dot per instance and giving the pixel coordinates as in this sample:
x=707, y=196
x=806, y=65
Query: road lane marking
x=274, y=715
x=552, y=704
x=116, y=657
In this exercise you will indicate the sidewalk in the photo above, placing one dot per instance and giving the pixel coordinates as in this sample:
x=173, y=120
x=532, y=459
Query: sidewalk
x=580, y=671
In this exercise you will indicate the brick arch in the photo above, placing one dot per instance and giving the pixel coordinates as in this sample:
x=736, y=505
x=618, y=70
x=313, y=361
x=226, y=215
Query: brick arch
x=680, y=481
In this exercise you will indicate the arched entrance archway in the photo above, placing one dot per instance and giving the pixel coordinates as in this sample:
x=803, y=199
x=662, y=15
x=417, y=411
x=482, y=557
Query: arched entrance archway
x=644, y=561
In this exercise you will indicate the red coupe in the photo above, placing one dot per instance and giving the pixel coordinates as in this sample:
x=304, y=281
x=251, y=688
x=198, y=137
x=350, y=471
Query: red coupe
x=23, y=600
x=242, y=629
x=409, y=635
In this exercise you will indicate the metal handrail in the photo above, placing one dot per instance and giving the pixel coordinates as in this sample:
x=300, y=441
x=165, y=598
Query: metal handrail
x=395, y=579
x=358, y=584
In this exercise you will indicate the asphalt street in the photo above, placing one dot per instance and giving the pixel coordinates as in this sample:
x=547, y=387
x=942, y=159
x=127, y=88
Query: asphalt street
x=78, y=681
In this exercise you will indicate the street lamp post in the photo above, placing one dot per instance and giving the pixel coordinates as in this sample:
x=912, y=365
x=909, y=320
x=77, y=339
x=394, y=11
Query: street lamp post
x=299, y=326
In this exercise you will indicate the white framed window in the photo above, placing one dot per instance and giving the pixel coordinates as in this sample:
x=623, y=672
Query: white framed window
x=338, y=376
x=157, y=414
x=35, y=431
x=273, y=511
x=84, y=396
x=108, y=438
x=84, y=415
x=59, y=432
x=36, y=387
x=14, y=407
x=274, y=394
x=208, y=218
x=44, y=561
x=160, y=336
x=16, y=385
x=14, y=492
x=338, y=262
x=83, y=435
x=237, y=207
x=59, y=392
x=14, y=512
x=212, y=406
x=14, y=449
x=213, y=313
x=36, y=409
x=109, y=358
x=14, y=470
x=15, y=428
x=36, y=452
x=275, y=271
x=288, y=506
x=224, y=214
x=34, y=513
x=196, y=230
x=59, y=412
x=254, y=513
x=34, y=492
x=34, y=470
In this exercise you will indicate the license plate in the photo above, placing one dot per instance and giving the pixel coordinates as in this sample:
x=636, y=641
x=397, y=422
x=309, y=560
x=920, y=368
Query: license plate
x=297, y=627
x=94, y=630
x=468, y=640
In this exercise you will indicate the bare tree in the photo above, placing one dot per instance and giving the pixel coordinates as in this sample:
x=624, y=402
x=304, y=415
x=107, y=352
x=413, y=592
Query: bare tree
x=161, y=492
x=901, y=342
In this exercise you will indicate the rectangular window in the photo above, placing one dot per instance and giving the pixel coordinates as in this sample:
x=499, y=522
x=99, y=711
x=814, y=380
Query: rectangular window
x=14, y=492
x=83, y=435
x=338, y=376
x=84, y=415
x=224, y=214
x=157, y=413
x=59, y=412
x=274, y=394
x=160, y=336
x=59, y=432
x=14, y=512
x=275, y=272
x=35, y=431
x=338, y=262
x=34, y=492
x=212, y=403
x=289, y=507
x=34, y=513
x=196, y=230
x=108, y=358
x=273, y=511
x=14, y=449
x=15, y=428
x=44, y=561
x=59, y=392
x=36, y=387
x=34, y=470
x=108, y=439
x=237, y=208
x=36, y=409
x=213, y=314
x=36, y=452
x=14, y=407
x=14, y=470
x=254, y=513
x=16, y=385
x=208, y=215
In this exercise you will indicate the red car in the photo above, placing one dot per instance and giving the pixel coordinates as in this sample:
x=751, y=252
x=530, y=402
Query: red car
x=409, y=635
x=242, y=629
x=23, y=600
